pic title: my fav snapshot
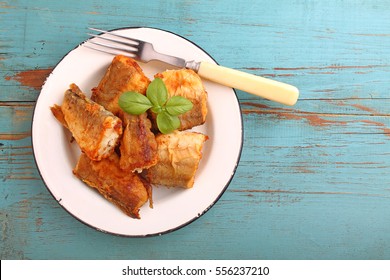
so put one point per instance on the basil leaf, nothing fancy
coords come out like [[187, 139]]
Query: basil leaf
[[157, 109], [178, 105], [134, 103], [157, 92], [167, 123]]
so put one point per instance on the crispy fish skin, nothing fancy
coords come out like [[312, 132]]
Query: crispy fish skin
[[124, 74], [59, 115], [126, 190], [96, 130], [187, 83], [179, 155], [138, 148]]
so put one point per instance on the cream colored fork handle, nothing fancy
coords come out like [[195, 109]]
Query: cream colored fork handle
[[266, 88]]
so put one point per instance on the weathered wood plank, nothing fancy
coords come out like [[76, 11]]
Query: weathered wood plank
[[313, 181], [15, 121], [281, 176], [327, 60]]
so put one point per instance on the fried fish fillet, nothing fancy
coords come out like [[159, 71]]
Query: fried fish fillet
[[128, 190], [123, 74], [187, 83], [96, 130], [138, 148], [179, 155]]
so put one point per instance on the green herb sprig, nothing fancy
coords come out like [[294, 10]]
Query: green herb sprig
[[156, 99]]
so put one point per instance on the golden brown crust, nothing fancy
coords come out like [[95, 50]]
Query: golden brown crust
[[123, 74], [95, 129], [187, 83], [126, 190], [138, 149], [179, 156], [57, 112]]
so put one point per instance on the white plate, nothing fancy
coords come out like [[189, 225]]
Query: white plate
[[173, 208]]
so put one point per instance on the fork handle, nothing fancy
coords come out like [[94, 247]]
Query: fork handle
[[272, 90]]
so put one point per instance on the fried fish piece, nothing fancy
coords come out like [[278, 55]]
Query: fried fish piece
[[123, 74], [187, 83], [179, 155], [96, 130], [128, 190], [138, 148]]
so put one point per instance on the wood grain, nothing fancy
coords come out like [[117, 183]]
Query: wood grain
[[314, 179]]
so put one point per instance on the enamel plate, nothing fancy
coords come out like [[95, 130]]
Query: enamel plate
[[173, 208]]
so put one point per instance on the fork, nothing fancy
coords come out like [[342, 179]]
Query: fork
[[144, 51]]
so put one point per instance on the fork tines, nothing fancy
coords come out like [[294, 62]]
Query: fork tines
[[119, 44]]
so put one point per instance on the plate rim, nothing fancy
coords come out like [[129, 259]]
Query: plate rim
[[160, 232]]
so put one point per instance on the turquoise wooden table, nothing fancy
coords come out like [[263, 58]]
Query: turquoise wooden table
[[313, 181]]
